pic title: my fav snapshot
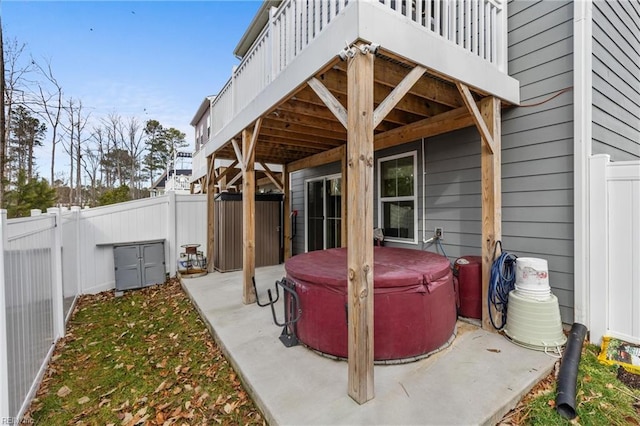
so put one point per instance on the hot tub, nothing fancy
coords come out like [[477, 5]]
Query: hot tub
[[414, 301]]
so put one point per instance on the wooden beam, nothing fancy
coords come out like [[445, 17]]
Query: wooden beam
[[299, 139], [436, 90], [248, 219], [286, 202], [239, 156], [211, 218], [254, 139], [288, 116], [326, 157], [405, 111], [491, 195], [476, 115], [397, 94], [360, 226], [276, 124], [329, 100], [455, 119], [272, 177]]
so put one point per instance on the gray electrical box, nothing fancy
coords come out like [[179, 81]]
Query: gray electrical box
[[139, 264]]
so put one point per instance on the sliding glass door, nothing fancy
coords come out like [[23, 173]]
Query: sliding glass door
[[324, 213]]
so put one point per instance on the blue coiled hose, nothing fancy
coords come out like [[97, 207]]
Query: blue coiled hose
[[503, 278]]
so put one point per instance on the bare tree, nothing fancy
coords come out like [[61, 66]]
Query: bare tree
[[50, 100], [3, 124], [134, 145], [77, 123], [114, 132], [13, 79], [91, 161]]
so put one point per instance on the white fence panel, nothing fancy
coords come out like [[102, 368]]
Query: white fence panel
[[614, 278], [70, 256], [101, 227], [29, 292], [191, 220], [176, 219], [51, 258]]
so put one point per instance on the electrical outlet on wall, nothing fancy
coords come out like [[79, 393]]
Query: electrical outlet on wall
[[439, 232]]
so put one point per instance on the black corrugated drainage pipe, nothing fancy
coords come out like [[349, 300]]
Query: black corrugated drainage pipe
[[568, 375]]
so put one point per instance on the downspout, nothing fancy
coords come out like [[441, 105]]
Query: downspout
[[424, 195], [582, 145]]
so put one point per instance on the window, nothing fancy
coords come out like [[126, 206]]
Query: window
[[397, 213]]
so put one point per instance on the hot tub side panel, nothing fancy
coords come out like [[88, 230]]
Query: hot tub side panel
[[408, 321]]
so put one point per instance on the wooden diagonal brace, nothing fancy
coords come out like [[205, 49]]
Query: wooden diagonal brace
[[475, 114], [236, 148], [272, 177], [329, 100], [234, 179], [387, 105], [254, 139]]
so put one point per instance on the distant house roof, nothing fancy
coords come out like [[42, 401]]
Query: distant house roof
[[161, 182], [255, 27], [202, 109]]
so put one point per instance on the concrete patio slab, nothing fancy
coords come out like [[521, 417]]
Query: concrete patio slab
[[476, 380]]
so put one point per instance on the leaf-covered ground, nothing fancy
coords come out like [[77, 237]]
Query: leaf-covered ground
[[601, 399], [143, 358]]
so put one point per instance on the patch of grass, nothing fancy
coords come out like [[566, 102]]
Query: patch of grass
[[143, 358], [601, 399]]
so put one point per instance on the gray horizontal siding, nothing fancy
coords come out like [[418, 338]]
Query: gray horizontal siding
[[453, 191], [537, 140], [616, 79], [537, 158]]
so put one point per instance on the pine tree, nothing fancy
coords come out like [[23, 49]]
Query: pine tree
[[26, 132], [29, 194]]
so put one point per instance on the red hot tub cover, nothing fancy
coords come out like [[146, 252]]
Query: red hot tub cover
[[414, 301]]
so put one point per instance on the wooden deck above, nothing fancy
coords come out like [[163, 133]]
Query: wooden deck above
[[453, 41]]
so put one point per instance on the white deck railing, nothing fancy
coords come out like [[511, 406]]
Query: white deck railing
[[478, 26], [177, 183]]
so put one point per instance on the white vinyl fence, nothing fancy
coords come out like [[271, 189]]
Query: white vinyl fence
[[49, 259], [614, 249]]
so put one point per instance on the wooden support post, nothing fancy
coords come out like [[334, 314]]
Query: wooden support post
[[248, 218], [211, 224], [491, 195], [360, 226], [286, 211]]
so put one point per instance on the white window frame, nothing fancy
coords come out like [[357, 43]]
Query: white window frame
[[413, 198]]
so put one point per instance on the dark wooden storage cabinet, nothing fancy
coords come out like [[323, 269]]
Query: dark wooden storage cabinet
[[139, 264], [228, 231]]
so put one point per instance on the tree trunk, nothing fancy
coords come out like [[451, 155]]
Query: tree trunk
[[3, 124], [78, 171], [53, 153]]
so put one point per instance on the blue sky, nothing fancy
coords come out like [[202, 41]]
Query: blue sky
[[151, 59]]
